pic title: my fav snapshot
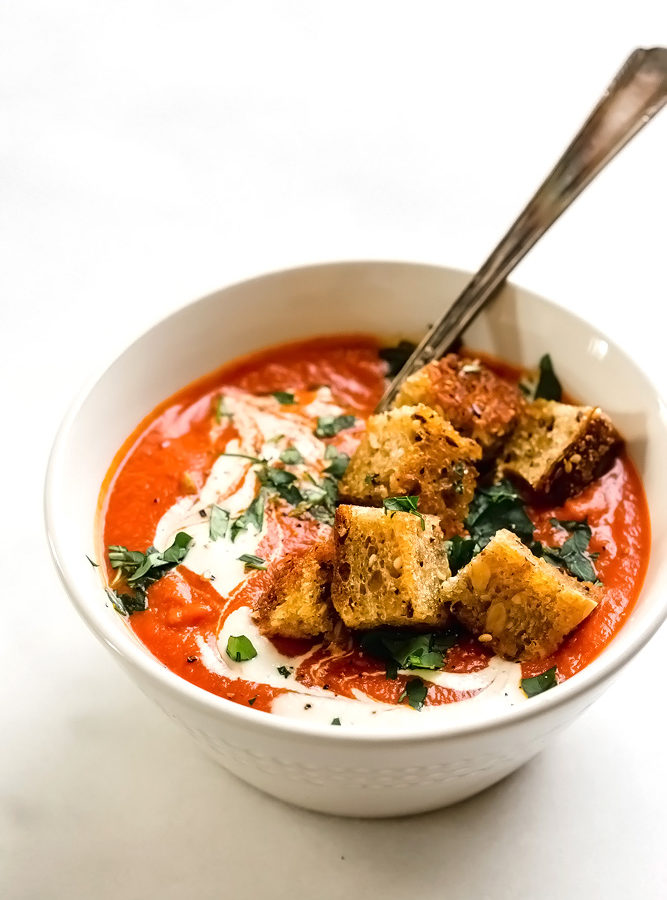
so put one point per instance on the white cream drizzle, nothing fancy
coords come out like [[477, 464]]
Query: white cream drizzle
[[267, 428]]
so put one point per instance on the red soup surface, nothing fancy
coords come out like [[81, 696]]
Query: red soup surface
[[170, 455]]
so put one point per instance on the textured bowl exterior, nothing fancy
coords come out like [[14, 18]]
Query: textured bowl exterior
[[348, 771]]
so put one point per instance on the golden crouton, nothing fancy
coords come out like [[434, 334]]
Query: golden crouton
[[519, 605], [413, 450], [557, 448], [476, 401], [298, 602], [388, 569]]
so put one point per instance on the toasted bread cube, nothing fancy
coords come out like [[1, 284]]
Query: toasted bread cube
[[388, 569], [520, 606], [557, 448], [298, 602], [413, 450], [474, 399]]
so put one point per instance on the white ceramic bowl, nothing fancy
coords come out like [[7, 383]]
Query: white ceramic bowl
[[341, 770]]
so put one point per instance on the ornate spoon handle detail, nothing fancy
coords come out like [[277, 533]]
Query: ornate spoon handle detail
[[636, 94]]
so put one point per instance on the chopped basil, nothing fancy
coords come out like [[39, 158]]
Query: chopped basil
[[240, 649], [140, 570], [396, 357], [495, 507], [284, 398], [339, 461], [415, 691], [320, 500], [218, 524], [548, 385], [404, 504], [253, 459], [251, 701], [280, 481], [291, 457], [93, 564], [403, 649], [254, 515], [252, 562], [284, 671], [460, 551], [221, 412], [328, 426], [335, 721], [127, 604], [539, 683], [573, 555]]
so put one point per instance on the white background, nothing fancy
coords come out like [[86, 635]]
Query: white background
[[153, 151]]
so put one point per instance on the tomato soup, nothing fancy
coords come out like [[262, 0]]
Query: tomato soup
[[192, 467]]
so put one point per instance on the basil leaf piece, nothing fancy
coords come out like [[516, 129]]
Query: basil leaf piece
[[92, 562], [284, 671], [221, 412], [254, 515], [251, 701], [284, 398], [240, 649], [404, 504], [218, 523], [403, 649], [548, 385], [396, 357], [460, 551], [539, 683], [291, 457], [339, 461], [140, 570], [415, 691], [252, 562], [254, 459], [498, 506], [335, 721], [573, 555], [329, 426]]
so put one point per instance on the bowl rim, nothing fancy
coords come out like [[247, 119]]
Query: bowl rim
[[127, 649]]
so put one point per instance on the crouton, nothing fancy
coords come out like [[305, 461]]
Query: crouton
[[520, 606], [389, 568], [298, 601], [413, 450], [558, 449], [476, 401]]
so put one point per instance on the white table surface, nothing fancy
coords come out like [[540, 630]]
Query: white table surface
[[151, 152]]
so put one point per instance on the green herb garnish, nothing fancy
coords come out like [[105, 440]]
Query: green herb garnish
[[140, 570], [253, 459], [539, 683], [240, 648], [548, 385], [329, 426], [251, 701], [495, 507], [415, 692], [396, 357], [252, 562], [403, 649], [404, 504], [291, 457], [284, 671], [254, 515], [339, 461], [460, 551], [284, 398], [335, 721], [218, 523], [573, 555], [92, 562]]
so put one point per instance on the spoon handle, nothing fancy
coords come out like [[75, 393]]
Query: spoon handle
[[635, 95]]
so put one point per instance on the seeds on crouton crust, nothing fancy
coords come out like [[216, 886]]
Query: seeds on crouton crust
[[474, 399], [413, 450], [388, 569], [521, 606], [558, 448]]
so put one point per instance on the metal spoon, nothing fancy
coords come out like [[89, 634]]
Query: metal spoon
[[635, 95]]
